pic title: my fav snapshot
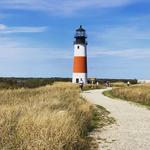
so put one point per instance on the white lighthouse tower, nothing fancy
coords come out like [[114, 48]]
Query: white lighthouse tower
[[80, 57]]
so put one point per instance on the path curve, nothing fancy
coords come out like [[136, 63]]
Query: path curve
[[132, 128]]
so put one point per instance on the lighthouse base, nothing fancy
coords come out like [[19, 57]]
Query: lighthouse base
[[79, 77]]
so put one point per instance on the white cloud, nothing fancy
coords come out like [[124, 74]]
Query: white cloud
[[21, 58], [62, 6], [14, 50], [2, 27], [123, 36], [134, 53], [32, 54], [123, 32], [6, 30]]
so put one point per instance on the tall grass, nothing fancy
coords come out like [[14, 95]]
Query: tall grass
[[47, 118], [138, 93], [93, 86], [118, 84]]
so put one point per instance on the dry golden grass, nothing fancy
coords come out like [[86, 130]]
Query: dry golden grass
[[47, 118], [118, 84], [93, 86], [137, 93]]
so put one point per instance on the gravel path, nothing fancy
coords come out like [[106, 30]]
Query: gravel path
[[132, 128]]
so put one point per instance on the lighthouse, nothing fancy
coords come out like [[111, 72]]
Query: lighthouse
[[80, 57]]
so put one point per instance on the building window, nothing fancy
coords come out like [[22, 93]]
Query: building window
[[78, 47]]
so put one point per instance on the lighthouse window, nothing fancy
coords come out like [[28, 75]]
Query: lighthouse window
[[77, 80], [78, 47]]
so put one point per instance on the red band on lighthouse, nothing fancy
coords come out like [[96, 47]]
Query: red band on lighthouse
[[80, 64]]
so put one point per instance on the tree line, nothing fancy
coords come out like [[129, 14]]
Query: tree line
[[13, 83]]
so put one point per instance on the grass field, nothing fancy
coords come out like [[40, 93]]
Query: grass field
[[137, 93], [118, 84], [93, 86], [51, 118]]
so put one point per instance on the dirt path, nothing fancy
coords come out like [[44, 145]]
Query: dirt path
[[132, 128]]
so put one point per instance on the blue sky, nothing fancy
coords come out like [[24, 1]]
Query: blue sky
[[36, 37]]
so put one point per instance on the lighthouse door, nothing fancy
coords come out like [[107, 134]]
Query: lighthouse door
[[77, 80]]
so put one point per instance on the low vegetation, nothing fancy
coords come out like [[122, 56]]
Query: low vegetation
[[102, 81], [93, 86], [51, 117], [136, 93], [118, 84], [15, 83]]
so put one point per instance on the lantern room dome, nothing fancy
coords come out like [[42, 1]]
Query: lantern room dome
[[80, 36], [80, 29]]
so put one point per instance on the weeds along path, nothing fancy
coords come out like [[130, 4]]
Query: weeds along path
[[132, 128]]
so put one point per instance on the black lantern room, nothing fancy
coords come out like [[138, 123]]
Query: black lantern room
[[80, 36]]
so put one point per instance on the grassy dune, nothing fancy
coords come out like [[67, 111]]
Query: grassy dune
[[52, 118], [48, 118], [137, 93]]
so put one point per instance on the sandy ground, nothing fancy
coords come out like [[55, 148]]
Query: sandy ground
[[132, 128]]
